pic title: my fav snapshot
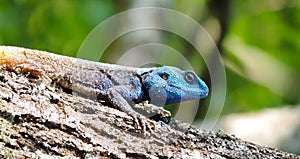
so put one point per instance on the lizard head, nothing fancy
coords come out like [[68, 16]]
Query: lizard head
[[166, 85]]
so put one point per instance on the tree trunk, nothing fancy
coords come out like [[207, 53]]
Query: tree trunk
[[38, 121]]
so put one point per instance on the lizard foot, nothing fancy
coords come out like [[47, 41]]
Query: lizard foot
[[142, 123]]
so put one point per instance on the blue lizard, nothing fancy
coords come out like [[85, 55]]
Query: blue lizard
[[120, 85]]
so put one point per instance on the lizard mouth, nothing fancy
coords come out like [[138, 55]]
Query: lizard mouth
[[191, 90]]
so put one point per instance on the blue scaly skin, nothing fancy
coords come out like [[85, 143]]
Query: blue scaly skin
[[167, 85], [121, 86]]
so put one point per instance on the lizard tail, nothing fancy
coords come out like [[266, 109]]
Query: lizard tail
[[21, 60]]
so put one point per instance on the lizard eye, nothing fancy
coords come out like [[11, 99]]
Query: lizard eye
[[164, 76], [190, 77]]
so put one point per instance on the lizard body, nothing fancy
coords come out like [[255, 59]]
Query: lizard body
[[120, 85]]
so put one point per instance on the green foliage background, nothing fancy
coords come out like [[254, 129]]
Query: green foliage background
[[267, 30]]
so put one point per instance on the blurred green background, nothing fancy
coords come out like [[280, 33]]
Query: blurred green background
[[259, 40]]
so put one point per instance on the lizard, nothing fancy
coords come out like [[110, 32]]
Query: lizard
[[121, 86]]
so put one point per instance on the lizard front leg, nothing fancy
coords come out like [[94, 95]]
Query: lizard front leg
[[118, 99]]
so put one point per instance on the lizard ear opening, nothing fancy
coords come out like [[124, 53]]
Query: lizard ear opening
[[164, 76]]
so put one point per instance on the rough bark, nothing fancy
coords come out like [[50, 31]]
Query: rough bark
[[38, 121]]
